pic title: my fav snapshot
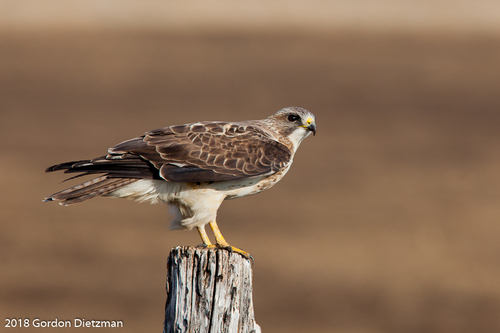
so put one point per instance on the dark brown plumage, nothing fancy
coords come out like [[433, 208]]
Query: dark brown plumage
[[207, 151]]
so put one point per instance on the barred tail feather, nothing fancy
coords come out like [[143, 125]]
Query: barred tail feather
[[95, 187], [116, 171]]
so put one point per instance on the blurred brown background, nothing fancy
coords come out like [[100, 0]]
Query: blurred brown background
[[388, 221]]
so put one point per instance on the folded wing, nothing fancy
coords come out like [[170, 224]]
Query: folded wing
[[209, 151]]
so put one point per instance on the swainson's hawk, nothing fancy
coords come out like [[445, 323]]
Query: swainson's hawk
[[194, 167]]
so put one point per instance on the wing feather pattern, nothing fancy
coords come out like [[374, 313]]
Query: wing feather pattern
[[209, 151]]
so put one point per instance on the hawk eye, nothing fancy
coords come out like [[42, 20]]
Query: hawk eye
[[293, 117]]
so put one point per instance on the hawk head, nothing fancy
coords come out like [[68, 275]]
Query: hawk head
[[293, 123]]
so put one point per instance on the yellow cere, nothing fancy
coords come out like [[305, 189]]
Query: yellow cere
[[309, 120]]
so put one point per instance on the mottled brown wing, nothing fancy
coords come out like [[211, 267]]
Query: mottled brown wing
[[208, 151]]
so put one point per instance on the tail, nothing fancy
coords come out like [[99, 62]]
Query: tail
[[95, 187], [117, 172]]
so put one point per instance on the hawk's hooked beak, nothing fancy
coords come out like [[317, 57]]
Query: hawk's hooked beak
[[310, 125]]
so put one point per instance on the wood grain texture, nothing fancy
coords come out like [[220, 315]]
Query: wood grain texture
[[208, 290]]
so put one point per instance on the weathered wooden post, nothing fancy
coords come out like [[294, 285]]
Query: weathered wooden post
[[208, 290]]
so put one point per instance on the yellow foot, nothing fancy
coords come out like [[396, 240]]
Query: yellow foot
[[236, 250], [230, 249], [221, 242]]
